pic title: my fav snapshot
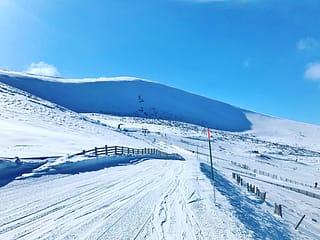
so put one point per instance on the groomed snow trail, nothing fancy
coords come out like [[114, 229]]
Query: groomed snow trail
[[153, 199]]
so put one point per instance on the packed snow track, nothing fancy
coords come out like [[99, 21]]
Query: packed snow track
[[93, 205], [152, 199]]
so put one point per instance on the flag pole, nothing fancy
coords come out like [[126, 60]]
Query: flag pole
[[212, 174]]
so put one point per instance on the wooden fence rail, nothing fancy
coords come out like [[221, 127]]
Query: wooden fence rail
[[250, 187], [307, 193], [121, 150]]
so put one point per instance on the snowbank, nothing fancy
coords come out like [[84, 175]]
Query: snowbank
[[10, 169]]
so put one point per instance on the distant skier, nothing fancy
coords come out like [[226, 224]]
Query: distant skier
[[315, 185]]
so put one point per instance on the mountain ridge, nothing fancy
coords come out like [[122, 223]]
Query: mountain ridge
[[132, 97]]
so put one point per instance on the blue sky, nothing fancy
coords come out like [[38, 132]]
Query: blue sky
[[261, 55]]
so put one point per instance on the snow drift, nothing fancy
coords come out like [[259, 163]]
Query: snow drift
[[131, 97]]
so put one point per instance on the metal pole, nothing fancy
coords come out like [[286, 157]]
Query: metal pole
[[212, 174], [197, 152]]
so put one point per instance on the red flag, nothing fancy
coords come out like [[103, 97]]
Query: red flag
[[209, 133]]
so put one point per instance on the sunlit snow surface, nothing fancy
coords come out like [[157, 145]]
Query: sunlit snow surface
[[146, 198], [124, 96]]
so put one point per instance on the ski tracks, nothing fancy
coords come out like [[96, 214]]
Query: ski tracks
[[155, 199], [107, 204]]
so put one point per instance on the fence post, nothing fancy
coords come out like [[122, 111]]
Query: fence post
[[18, 161], [278, 209], [106, 147], [299, 222], [96, 151], [264, 195], [115, 150], [122, 150]]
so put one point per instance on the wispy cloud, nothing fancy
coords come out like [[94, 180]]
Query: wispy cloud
[[307, 43], [42, 68], [313, 71]]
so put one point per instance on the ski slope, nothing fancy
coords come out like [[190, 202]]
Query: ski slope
[[127, 96], [148, 198], [164, 200], [30, 126]]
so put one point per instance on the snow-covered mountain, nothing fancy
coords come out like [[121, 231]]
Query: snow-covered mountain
[[128, 96], [30, 126], [148, 198], [125, 96]]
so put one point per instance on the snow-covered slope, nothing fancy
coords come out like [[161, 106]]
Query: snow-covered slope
[[285, 131], [30, 126], [126, 96], [133, 198]]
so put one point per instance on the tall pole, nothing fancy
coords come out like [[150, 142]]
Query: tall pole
[[197, 152], [212, 174]]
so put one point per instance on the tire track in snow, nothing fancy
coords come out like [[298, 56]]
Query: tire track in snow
[[105, 211], [141, 207], [163, 215], [85, 199]]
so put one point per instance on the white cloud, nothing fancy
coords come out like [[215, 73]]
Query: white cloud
[[307, 43], [42, 68], [313, 71]]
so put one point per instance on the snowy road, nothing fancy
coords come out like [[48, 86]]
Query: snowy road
[[153, 199]]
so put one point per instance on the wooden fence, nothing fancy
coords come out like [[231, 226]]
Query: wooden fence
[[109, 151], [307, 193], [250, 187], [121, 150], [268, 174]]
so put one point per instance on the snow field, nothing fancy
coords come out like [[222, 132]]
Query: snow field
[[152, 198], [159, 202]]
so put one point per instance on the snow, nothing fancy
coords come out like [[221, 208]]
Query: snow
[[136, 97], [31, 127], [142, 197], [13, 74]]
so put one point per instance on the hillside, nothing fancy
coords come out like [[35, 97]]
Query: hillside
[[126, 96], [132, 197], [30, 126]]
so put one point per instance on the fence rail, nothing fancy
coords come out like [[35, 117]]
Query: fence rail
[[250, 187], [121, 150], [108, 151], [268, 174], [307, 193]]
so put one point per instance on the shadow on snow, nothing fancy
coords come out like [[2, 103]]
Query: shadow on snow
[[11, 171], [262, 224], [95, 164]]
